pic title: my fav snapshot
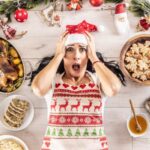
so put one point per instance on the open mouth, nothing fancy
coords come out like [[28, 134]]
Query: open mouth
[[76, 67]]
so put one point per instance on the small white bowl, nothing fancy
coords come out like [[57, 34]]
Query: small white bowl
[[19, 141], [137, 135]]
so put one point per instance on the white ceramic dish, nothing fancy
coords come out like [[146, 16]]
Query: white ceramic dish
[[137, 135], [28, 117], [19, 141]]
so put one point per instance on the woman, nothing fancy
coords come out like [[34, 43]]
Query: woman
[[75, 97]]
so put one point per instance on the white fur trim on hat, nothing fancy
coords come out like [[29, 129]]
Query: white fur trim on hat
[[76, 38]]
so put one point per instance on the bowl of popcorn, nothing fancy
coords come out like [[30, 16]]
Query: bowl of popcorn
[[10, 142], [135, 59]]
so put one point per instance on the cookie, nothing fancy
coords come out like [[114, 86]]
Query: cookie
[[11, 124], [21, 105], [15, 113], [12, 118]]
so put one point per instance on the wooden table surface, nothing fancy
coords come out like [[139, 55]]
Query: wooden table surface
[[41, 40]]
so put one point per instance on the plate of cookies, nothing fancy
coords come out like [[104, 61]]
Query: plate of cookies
[[9, 142], [135, 59], [16, 112]]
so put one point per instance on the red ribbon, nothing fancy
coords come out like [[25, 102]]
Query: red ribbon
[[81, 27]]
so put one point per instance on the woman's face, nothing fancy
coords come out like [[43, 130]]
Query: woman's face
[[75, 60]]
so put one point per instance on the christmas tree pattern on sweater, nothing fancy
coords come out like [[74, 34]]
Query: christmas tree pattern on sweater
[[75, 114]]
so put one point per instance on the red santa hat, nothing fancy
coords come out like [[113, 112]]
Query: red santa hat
[[120, 8], [76, 32]]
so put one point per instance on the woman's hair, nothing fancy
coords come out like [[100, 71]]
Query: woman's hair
[[112, 65]]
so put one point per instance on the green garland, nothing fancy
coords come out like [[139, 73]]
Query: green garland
[[140, 7], [113, 1], [7, 7]]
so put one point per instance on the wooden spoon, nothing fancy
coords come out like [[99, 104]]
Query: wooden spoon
[[138, 127]]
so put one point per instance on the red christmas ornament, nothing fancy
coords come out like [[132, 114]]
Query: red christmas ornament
[[144, 23], [21, 15], [96, 3]]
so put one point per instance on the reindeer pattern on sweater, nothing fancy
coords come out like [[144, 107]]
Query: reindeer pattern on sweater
[[75, 118]]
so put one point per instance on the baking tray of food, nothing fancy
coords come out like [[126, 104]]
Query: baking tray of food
[[12, 68]]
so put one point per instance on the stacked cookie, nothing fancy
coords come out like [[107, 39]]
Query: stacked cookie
[[15, 112]]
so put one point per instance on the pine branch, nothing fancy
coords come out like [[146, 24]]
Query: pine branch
[[140, 7], [8, 7], [67, 1], [113, 1]]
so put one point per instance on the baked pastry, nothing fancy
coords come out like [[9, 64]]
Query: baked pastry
[[21, 105], [8, 144], [11, 124], [12, 118], [15, 112], [137, 60]]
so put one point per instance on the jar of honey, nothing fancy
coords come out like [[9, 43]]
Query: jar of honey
[[132, 128]]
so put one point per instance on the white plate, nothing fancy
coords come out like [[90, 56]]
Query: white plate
[[19, 141], [28, 117]]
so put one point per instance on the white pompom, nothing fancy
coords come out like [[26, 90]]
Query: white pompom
[[101, 28]]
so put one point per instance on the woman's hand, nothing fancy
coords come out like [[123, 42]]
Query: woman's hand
[[60, 47], [91, 47]]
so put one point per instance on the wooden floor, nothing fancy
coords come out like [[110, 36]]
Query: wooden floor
[[41, 40]]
